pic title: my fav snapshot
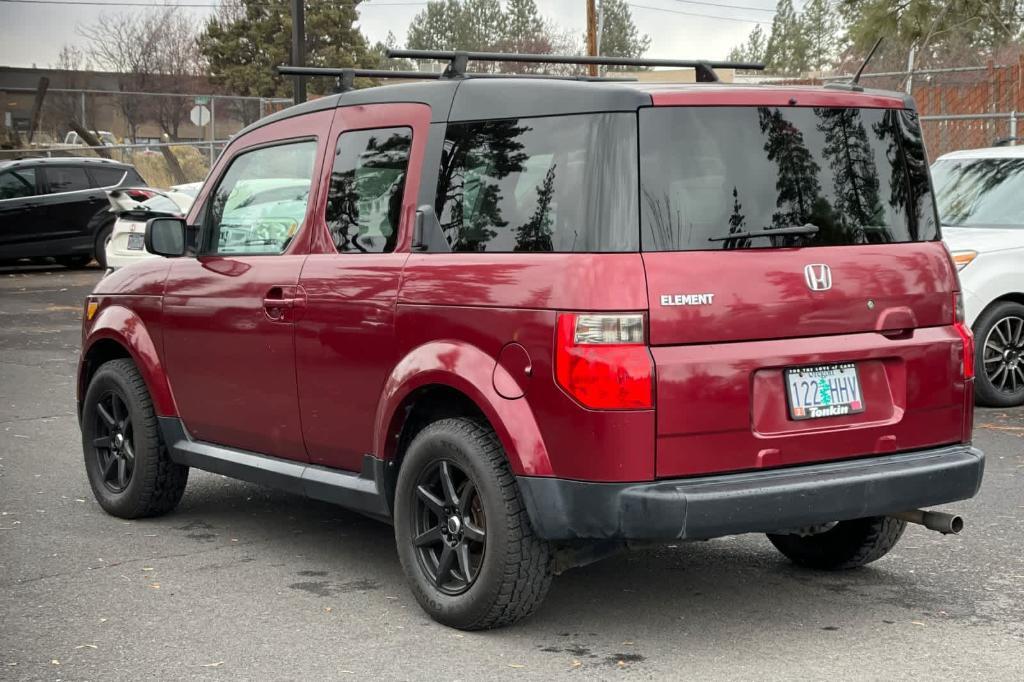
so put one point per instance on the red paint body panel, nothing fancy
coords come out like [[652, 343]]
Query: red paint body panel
[[720, 406], [134, 322], [761, 294]]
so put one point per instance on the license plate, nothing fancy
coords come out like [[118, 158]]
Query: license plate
[[136, 241], [823, 391]]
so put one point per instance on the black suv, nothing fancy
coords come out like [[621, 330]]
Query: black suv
[[57, 207]]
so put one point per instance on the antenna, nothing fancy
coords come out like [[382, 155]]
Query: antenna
[[856, 76]]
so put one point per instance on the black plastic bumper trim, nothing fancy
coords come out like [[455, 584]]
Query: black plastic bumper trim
[[752, 502]]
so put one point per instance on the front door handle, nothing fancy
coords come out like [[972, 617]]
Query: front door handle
[[280, 299]]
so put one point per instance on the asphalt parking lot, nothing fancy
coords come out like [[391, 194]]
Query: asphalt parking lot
[[242, 582]]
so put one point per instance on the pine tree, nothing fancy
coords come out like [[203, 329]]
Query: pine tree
[[821, 34], [797, 180], [535, 233], [246, 39], [752, 50], [619, 35], [786, 51], [855, 174]]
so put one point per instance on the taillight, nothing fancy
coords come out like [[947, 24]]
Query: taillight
[[602, 361], [965, 335], [140, 194]]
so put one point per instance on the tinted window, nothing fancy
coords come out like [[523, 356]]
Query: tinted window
[[710, 172], [565, 183], [980, 192], [260, 202], [106, 177], [18, 183], [364, 203], [66, 179]]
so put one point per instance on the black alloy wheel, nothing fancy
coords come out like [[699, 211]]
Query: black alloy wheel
[[450, 527], [1003, 355], [113, 443]]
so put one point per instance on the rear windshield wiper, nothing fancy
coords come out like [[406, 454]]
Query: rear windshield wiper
[[793, 229]]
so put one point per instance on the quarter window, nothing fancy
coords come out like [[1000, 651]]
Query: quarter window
[[364, 204], [15, 184], [66, 179], [107, 177], [560, 183], [260, 203]]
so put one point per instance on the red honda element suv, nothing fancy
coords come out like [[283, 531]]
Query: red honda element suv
[[530, 320]]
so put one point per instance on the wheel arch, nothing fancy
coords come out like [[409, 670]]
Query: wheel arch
[[118, 332], [448, 378]]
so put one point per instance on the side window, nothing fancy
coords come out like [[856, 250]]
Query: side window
[[106, 177], [364, 203], [66, 179], [260, 203], [557, 184], [18, 183]]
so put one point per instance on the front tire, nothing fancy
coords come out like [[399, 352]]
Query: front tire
[[999, 355], [848, 544], [464, 538], [129, 469]]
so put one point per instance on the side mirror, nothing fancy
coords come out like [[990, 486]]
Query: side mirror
[[166, 236]]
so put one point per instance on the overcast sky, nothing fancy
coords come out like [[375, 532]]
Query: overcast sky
[[33, 31]]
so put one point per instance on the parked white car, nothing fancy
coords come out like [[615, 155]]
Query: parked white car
[[127, 240], [980, 195]]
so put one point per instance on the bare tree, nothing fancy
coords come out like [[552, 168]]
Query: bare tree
[[67, 106], [153, 51]]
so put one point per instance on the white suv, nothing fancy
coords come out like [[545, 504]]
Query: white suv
[[980, 195]]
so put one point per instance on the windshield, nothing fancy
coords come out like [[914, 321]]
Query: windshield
[[979, 192], [761, 177]]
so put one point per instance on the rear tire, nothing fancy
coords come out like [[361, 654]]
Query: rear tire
[[507, 568], [848, 544], [999, 355], [129, 469]]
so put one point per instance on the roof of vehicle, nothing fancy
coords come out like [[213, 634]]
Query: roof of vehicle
[[482, 97], [62, 161], [986, 153]]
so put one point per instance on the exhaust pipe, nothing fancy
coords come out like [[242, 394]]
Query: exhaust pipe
[[947, 524]]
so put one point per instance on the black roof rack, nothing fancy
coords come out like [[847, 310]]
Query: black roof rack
[[345, 77], [457, 61]]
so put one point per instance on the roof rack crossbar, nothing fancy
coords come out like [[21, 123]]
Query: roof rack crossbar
[[458, 60]]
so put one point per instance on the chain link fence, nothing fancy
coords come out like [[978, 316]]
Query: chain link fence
[[170, 137]]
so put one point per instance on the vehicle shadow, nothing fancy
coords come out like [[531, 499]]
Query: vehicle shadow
[[722, 590]]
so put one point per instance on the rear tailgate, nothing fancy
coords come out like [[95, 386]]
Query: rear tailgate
[[866, 302]]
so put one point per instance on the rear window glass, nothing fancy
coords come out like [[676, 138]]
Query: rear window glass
[[561, 183], [726, 177]]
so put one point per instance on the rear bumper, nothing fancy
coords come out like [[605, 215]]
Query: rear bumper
[[758, 501]]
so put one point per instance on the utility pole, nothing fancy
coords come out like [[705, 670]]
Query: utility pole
[[299, 47], [592, 35]]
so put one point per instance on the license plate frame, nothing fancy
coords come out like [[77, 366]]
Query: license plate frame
[[803, 410], [136, 241]]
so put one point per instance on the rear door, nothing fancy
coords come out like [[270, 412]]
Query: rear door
[[775, 349], [71, 200], [345, 342]]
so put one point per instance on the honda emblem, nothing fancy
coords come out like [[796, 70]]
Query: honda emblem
[[818, 277]]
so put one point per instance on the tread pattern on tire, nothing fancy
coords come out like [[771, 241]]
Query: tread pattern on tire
[[985, 393], [861, 542], [165, 483], [528, 566]]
